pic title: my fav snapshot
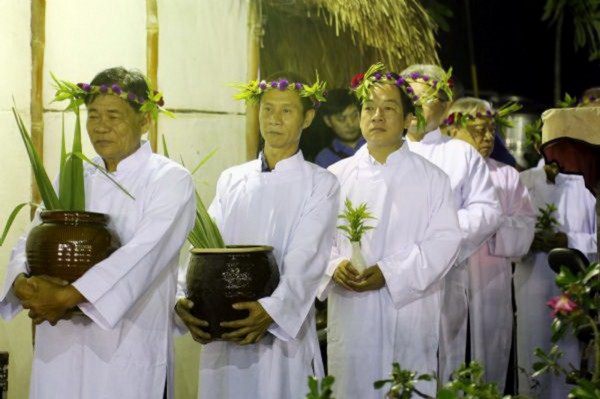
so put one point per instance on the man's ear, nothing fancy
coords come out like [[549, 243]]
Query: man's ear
[[308, 118], [452, 131], [408, 120], [327, 120], [145, 121]]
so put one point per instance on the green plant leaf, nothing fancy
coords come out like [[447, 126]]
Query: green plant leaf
[[45, 187], [11, 219]]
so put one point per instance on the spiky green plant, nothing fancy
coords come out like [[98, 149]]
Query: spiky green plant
[[545, 219], [71, 186], [205, 233], [322, 390], [355, 219]]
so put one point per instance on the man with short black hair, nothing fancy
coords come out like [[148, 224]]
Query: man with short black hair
[[341, 115], [390, 311], [285, 202]]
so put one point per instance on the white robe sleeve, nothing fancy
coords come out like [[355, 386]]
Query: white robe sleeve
[[305, 260], [326, 282], [479, 213], [517, 224], [413, 269], [114, 285], [586, 240]]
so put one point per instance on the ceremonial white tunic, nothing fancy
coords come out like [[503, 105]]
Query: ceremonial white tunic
[[293, 209], [490, 274], [534, 280], [479, 216], [415, 242], [123, 348]]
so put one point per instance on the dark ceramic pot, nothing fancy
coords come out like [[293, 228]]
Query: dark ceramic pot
[[218, 278], [67, 243]]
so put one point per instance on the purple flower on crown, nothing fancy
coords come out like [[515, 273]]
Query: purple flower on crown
[[400, 81], [435, 83], [86, 87], [415, 75], [283, 84], [409, 90], [425, 78], [116, 89], [389, 76], [415, 98], [131, 96], [103, 88], [488, 113], [274, 84], [298, 86], [378, 76], [262, 85]]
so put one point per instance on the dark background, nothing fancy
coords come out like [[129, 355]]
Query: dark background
[[514, 50]]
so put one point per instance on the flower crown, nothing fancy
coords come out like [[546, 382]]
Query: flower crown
[[362, 83], [77, 94], [499, 117], [253, 90], [569, 102]]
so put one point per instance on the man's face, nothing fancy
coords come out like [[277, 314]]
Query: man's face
[[433, 111], [115, 129], [382, 120], [480, 134], [282, 119], [345, 124]]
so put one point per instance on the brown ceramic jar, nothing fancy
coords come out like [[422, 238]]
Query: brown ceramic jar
[[217, 278], [67, 243]]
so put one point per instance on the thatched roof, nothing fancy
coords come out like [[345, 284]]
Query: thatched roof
[[343, 37]]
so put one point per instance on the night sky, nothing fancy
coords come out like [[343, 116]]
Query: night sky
[[514, 50]]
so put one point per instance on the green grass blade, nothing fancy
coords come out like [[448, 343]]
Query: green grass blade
[[203, 161], [10, 221], [47, 192], [165, 149], [104, 172], [77, 181]]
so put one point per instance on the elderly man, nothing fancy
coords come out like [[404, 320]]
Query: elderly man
[[122, 347], [474, 196]]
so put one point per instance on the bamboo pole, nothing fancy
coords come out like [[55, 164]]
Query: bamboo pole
[[36, 107], [255, 32], [152, 60]]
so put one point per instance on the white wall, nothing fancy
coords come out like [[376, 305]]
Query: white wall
[[202, 48]]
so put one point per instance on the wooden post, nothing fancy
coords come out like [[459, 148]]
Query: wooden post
[[36, 107], [152, 60], [255, 32]]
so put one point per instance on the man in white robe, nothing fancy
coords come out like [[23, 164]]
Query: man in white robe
[[290, 204], [389, 312], [535, 281], [490, 274], [478, 210], [122, 347]]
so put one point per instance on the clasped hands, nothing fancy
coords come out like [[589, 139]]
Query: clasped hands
[[246, 331], [346, 276], [47, 298]]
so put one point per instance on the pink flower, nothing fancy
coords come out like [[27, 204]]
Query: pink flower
[[561, 304]]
